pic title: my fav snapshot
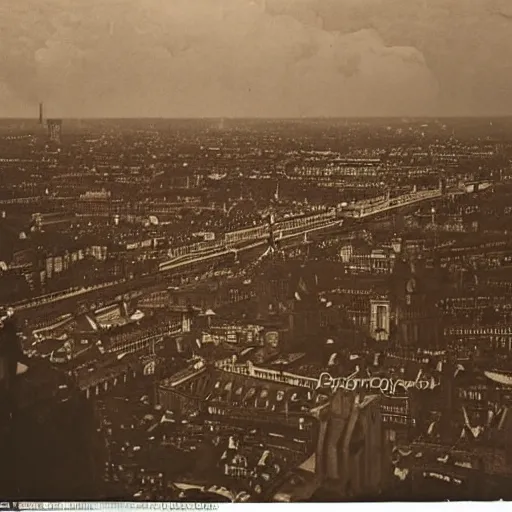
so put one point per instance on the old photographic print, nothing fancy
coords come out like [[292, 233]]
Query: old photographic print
[[255, 251]]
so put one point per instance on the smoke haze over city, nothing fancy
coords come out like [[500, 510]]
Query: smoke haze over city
[[241, 58]]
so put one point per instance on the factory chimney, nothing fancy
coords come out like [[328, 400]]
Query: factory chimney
[[40, 113]]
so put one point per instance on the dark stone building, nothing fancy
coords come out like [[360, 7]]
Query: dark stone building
[[50, 446]]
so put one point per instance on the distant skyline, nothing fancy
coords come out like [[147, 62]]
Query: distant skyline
[[255, 58], [427, 118]]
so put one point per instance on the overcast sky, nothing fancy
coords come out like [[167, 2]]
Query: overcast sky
[[243, 58]]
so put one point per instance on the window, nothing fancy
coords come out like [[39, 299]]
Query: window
[[381, 316]]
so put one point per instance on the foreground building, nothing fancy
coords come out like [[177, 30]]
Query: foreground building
[[323, 440], [51, 447]]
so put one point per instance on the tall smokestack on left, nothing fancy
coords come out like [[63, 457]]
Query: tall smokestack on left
[[40, 113]]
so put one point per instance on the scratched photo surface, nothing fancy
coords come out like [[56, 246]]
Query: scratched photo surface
[[255, 250]]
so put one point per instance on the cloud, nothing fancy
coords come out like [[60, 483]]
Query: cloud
[[201, 58], [466, 44]]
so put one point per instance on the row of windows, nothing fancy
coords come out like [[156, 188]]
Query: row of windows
[[274, 376], [340, 170], [236, 471], [394, 409], [140, 343], [471, 395], [497, 343], [216, 410], [253, 415], [478, 330], [135, 335], [402, 420]]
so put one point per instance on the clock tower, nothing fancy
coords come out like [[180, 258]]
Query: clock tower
[[416, 317]]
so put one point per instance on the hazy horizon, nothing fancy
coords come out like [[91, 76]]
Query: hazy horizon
[[256, 58], [267, 118]]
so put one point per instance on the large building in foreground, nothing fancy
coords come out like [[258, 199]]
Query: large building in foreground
[[338, 439], [51, 447]]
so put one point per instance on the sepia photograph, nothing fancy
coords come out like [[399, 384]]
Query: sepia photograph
[[255, 251]]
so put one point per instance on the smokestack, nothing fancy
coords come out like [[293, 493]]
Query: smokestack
[[40, 113]]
